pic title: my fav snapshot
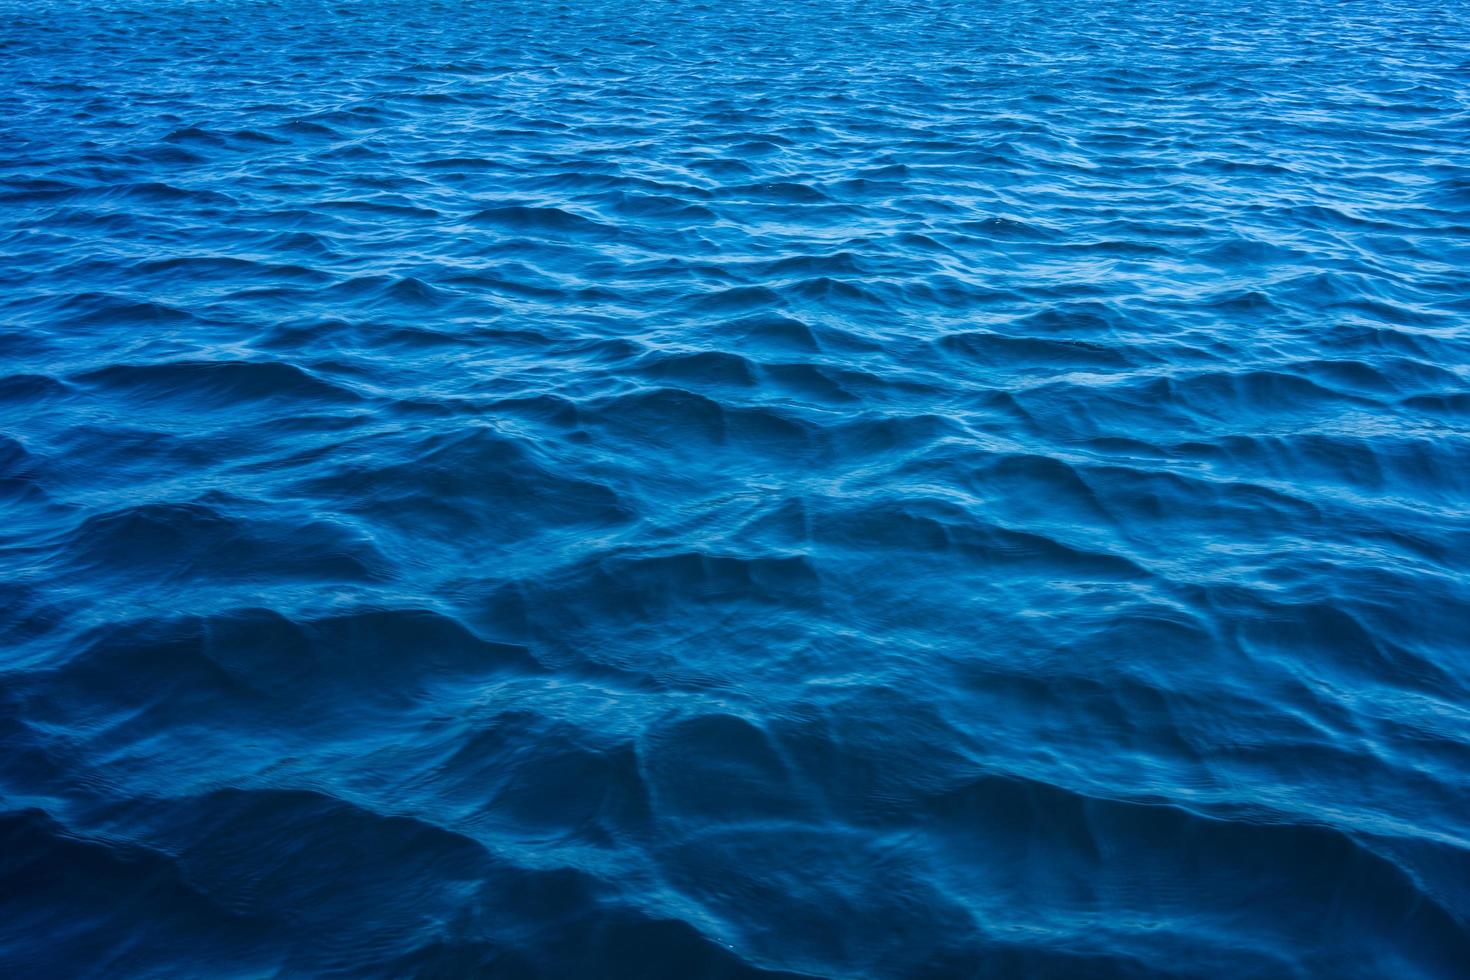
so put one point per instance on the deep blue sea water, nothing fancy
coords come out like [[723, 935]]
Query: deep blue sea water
[[836, 488]]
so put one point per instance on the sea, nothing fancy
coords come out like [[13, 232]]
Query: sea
[[716, 489]]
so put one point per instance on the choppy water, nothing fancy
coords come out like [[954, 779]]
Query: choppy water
[[853, 489]]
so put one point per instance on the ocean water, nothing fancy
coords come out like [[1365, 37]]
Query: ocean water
[[835, 488]]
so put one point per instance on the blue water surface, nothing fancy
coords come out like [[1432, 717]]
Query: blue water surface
[[634, 488]]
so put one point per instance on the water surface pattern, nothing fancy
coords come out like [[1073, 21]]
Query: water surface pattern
[[650, 489]]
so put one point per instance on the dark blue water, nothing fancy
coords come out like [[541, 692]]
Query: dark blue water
[[643, 489]]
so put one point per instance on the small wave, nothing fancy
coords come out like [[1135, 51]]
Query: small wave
[[554, 221], [184, 543], [213, 384]]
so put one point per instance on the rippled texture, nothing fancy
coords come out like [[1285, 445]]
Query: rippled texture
[[835, 488]]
